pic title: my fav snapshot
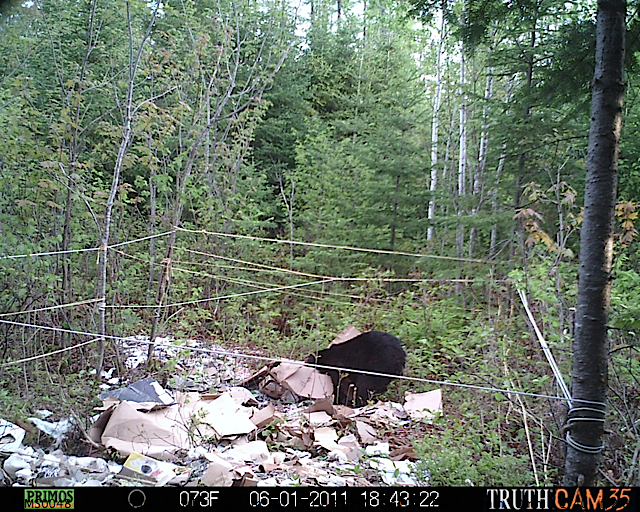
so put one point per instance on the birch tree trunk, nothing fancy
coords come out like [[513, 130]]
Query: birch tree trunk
[[462, 161], [484, 136], [435, 124], [482, 160], [590, 350], [462, 165]]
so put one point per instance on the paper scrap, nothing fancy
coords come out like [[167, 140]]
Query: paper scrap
[[423, 405]]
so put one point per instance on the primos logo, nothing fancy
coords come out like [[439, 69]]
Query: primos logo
[[48, 498]]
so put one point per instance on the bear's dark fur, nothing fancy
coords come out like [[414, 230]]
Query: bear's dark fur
[[373, 351]]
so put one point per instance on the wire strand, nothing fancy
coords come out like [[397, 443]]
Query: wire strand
[[335, 278], [48, 308], [330, 246], [89, 249], [545, 348], [50, 253], [300, 363], [140, 239], [48, 354], [220, 297]]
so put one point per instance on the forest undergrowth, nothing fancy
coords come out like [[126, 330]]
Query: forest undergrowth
[[477, 336], [259, 178]]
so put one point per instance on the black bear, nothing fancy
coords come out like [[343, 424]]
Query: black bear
[[373, 351]]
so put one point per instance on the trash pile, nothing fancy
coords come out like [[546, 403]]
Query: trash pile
[[267, 436]]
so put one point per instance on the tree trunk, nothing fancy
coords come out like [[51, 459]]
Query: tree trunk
[[288, 202], [462, 166], [484, 137], [523, 173], [153, 189], [435, 124], [462, 162], [589, 380], [394, 222], [493, 247], [122, 151], [482, 161]]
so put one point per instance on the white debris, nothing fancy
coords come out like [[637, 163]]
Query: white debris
[[18, 466], [378, 449], [333, 481], [57, 430], [11, 436], [394, 472], [313, 447], [254, 451]]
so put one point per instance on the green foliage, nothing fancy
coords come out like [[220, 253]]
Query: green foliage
[[625, 297], [454, 460], [335, 149], [13, 406]]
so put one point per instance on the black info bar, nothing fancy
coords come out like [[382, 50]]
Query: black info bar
[[441, 499]]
